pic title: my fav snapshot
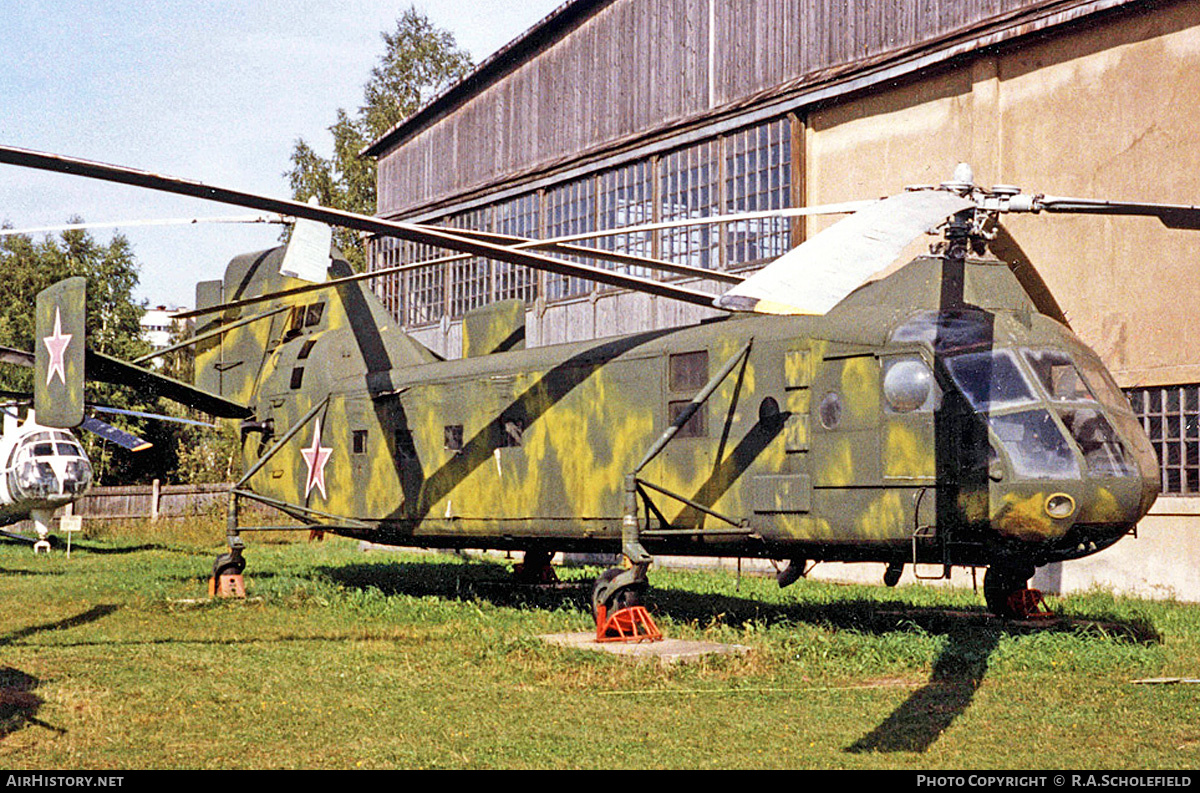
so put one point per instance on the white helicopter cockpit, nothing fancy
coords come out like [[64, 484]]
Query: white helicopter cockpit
[[47, 466], [44, 468]]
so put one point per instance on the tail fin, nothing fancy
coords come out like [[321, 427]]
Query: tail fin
[[59, 353]]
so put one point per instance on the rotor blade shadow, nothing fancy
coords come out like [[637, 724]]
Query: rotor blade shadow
[[91, 615], [931, 709]]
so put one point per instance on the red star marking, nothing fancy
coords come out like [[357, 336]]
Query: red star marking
[[57, 345], [315, 457]]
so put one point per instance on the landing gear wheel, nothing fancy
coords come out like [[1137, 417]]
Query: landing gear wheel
[[228, 564], [535, 569], [1000, 583], [617, 607], [615, 600]]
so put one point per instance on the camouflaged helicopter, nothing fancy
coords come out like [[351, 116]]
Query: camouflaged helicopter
[[944, 414]]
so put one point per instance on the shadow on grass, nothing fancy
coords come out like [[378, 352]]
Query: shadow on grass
[[971, 633], [18, 704]]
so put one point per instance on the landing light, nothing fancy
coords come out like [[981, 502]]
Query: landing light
[[1060, 505]]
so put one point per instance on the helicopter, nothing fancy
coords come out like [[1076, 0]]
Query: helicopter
[[44, 465], [943, 414]]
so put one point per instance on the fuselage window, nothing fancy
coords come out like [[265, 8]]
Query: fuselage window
[[687, 373]]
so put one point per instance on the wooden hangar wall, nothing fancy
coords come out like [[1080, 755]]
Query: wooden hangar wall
[[632, 112]]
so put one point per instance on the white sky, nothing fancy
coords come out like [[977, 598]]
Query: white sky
[[216, 91]]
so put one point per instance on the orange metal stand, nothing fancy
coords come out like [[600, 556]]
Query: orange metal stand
[[227, 586], [632, 624]]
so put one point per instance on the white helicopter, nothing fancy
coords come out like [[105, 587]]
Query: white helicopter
[[42, 464]]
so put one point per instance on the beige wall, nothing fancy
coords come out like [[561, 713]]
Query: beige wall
[[1110, 111]]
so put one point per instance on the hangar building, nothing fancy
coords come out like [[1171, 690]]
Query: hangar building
[[613, 112]]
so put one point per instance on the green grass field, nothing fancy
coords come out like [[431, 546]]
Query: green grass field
[[115, 659]]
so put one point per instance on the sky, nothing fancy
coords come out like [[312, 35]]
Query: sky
[[217, 91]]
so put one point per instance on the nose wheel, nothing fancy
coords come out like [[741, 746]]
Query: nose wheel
[[1007, 594]]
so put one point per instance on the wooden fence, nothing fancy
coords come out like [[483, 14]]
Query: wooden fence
[[138, 502]]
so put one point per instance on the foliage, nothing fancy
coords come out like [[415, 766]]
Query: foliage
[[113, 327], [420, 60]]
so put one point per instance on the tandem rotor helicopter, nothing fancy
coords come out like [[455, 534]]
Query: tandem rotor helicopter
[[942, 415]]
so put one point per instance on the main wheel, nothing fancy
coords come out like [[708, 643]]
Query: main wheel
[[615, 600], [228, 564], [1000, 583]]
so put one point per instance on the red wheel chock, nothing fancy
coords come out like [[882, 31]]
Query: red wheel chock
[[632, 624], [1028, 604]]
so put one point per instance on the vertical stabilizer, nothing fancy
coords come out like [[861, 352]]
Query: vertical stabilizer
[[59, 353]]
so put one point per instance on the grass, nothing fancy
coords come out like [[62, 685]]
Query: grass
[[114, 659]]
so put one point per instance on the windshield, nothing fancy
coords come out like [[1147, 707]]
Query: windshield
[[990, 379], [1035, 446]]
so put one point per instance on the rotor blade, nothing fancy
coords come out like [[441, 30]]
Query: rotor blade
[[110, 433], [107, 369], [1005, 248], [814, 276], [1175, 216], [153, 416], [336, 217], [559, 245], [307, 254], [16, 357], [112, 224]]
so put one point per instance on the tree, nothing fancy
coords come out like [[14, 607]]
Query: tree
[[113, 327], [420, 60]]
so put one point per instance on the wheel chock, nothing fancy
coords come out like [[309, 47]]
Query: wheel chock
[[229, 585], [632, 624], [1028, 604]]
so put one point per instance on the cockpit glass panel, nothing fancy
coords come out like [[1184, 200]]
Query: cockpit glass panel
[[1058, 375], [1106, 390], [990, 379], [1035, 446], [949, 330], [1103, 452], [43, 449]]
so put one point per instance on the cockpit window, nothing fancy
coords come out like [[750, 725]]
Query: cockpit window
[[990, 379], [1103, 452], [1034, 445], [1058, 375]]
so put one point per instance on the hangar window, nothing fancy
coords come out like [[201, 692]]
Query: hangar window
[[625, 197], [470, 280], [519, 217], [358, 442], [758, 177], [1171, 417], [570, 209], [424, 286], [689, 188]]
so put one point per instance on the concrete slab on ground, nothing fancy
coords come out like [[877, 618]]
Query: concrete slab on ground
[[665, 651]]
